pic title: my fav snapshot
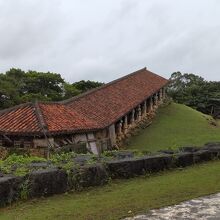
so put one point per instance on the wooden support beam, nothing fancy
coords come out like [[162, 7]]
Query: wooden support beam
[[139, 113], [125, 124]]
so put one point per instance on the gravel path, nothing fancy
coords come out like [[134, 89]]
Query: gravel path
[[201, 208]]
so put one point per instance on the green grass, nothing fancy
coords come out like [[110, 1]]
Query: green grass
[[116, 199], [176, 125]]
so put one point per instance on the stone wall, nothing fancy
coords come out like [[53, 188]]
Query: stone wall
[[54, 180]]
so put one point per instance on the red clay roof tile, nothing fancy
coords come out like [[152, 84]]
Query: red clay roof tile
[[111, 101], [59, 117], [20, 119], [92, 110]]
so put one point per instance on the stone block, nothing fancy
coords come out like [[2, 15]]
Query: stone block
[[202, 155], [214, 148], [190, 149], [123, 155], [47, 182], [158, 163], [167, 151], [125, 168], [86, 176], [212, 144], [9, 189], [184, 159], [82, 159]]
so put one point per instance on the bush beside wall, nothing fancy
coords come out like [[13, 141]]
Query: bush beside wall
[[55, 181]]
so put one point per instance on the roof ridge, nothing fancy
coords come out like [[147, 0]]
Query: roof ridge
[[101, 87], [41, 122], [64, 102]]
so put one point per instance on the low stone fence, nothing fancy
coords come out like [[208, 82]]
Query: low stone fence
[[51, 181]]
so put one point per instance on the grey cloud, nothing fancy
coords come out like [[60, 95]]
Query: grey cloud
[[102, 40]]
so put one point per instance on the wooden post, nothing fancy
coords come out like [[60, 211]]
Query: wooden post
[[151, 103], [132, 117], [120, 128], [139, 113], [156, 99], [112, 135], [126, 124], [164, 93], [145, 108], [161, 95]]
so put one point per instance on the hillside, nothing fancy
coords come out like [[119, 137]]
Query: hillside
[[176, 125]]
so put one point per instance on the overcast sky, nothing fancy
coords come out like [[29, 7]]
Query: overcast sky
[[104, 39]]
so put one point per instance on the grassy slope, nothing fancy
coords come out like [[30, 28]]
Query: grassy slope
[[174, 126], [116, 199]]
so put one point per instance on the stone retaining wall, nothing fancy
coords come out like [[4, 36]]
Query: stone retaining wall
[[55, 181]]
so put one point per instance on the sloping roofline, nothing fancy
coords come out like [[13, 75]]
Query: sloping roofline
[[101, 87], [43, 125]]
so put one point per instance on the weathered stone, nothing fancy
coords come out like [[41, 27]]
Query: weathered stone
[[9, 189], [202, 155], [214, 148], [212, 144], [167, 151], [189, 149], [123, 155], [157, 163], [39, 165], [47, 182], [125, 168], [86, 176], [82, 159], [184, 159]]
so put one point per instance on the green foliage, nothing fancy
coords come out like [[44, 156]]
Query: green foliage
[[194, 91], [113, 153], [70, 90], [45, 84], [84, 86], [24, 190], [17, 164], [109, 154], [17, 86], [9, 95], [62, 157]]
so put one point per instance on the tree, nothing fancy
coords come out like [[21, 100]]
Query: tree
[[70, 90], [47, 85], [193, 90], [84, 86], [18, 86], [9, 92]]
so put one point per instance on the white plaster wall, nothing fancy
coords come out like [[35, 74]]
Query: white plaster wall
[[43, 142], [79, 138]]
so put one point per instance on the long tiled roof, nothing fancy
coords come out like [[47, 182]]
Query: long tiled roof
[[110, 102], [93, 110]]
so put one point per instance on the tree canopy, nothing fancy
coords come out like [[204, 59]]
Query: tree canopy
[[18, 86], [194, 91]]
